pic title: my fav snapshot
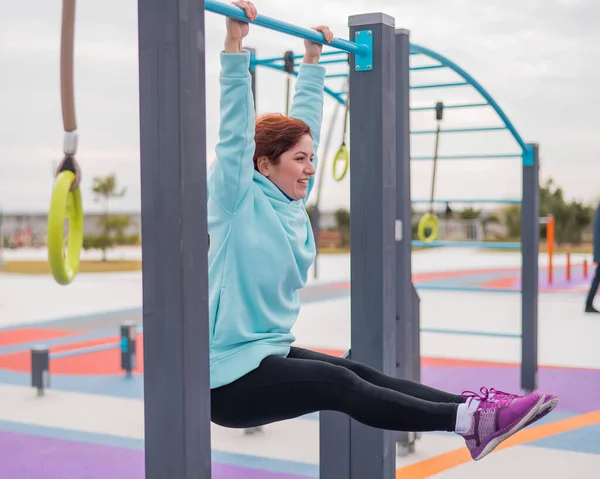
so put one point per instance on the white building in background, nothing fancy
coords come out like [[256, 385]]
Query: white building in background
[[29, 229]]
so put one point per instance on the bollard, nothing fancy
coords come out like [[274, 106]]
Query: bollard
[[568, 266], [550, 242], [40, 364], [128, 347], [585, 268]]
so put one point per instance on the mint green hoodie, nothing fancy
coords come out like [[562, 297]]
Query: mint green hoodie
[[262, 244]]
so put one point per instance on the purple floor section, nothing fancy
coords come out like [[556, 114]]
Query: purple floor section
[[34, 457], [578, 389], [559, 280], [26, 456]]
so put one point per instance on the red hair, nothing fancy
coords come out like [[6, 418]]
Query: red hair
[[275, 134]]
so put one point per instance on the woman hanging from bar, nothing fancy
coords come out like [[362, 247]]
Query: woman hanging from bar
[[262, 247]]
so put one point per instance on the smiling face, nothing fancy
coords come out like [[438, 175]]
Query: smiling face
[[293, 170], [284, 152]]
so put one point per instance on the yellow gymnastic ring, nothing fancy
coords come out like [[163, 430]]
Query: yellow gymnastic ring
[[65, 204], [341, 156], [428, 221]]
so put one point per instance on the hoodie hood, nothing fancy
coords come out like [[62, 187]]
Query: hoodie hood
[[277, 197]]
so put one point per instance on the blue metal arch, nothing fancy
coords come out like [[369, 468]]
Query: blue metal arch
[[475, 84], [444, 62]]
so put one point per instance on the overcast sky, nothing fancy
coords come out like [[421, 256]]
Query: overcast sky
[[539, 59]]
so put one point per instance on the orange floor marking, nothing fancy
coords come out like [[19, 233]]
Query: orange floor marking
[[102, 362], [442, 275], [451, 459], [29, 335], [502, 283]]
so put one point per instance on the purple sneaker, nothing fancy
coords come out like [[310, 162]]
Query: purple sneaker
[[495, 420], [547, 406]]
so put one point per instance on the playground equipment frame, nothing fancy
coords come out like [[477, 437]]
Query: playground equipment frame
[[175, 282]]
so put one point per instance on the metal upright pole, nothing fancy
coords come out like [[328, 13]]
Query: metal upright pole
[[407, 325], [334, 444], [530, 239], [372, 229], [174, 229]]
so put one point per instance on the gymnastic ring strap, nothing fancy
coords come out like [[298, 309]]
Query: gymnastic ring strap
[[66, 197], [67, 87], [429, 222]]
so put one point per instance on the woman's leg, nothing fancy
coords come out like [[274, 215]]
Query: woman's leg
[[377, 378], [284, 388]]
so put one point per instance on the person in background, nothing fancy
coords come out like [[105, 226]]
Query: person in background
[[589, 304]]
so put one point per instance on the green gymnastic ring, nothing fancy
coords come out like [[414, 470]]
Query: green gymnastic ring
[[65, 205], [428, 221], [341, 156]]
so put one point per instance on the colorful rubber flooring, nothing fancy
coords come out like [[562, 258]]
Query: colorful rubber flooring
[[89, 425], [50, 438]]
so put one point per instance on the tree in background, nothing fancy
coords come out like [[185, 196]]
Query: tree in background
[[113, 226], [469, 214], [342, 218], [571, 218], [310, 210]]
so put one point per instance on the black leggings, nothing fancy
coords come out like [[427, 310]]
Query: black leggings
[[306, 381]]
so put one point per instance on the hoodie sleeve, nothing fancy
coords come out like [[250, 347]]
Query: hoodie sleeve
[[230, 175], [307, 106]]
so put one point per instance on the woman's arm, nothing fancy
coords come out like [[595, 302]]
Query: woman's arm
[[308, 99], [231, 174]]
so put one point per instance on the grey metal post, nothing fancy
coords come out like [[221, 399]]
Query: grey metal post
[[128, 347], [174, 229], [407, 322], [530, 238], [334, 443], [40, 368], [373, 210]]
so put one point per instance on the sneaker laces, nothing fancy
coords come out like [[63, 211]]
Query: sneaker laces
[[496, 393], [484, 399]]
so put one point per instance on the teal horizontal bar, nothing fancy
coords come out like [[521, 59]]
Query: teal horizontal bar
[[473, 200], [323, 54], [447, 107], [427, 67], [438, 85], [458, 130], [468, 244], [470, 333], [88, 350], [237, 13], [262, 61], [469, 157], [337, 75]]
